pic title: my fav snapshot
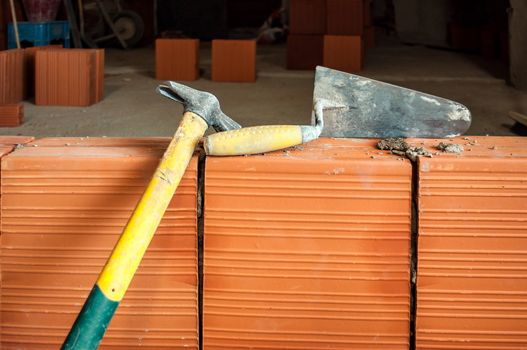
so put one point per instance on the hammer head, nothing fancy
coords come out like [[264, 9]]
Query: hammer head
[[202, 103]]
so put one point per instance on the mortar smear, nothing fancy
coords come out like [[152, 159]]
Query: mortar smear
[[450, 147], [400, 147]]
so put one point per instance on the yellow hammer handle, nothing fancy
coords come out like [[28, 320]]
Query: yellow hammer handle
[[253, 140], [129, 250]]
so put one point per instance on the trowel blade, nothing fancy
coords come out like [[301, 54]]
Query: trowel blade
[[370, 108]]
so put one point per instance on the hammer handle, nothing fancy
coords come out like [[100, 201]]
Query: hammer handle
[[92, 321], [253, 140]]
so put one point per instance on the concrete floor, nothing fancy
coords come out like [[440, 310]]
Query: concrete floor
[[132, 108]]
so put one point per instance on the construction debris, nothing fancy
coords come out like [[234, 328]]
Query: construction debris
[[450, 148], [400, 147]]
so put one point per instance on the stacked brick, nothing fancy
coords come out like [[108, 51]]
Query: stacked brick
[[11, 76], [177, 59], [63, 209], [307, 249], [472, 247], [329, 32], [72, 77], [11, 115], [234, 61]]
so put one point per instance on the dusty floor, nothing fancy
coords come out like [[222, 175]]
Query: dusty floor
[[132, 108]]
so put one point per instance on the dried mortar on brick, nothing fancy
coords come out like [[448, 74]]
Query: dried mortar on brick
[[400, 147], [450, 147]]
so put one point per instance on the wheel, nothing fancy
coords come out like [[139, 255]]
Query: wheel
[[130, 27]]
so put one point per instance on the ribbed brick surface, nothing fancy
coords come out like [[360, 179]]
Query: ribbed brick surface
[[63, 210], [11, 115], [11, 76], [29, 66], [177, 59], [344, 53], [234, 60], [304, 51], [69, 77], [307, 16], [344, 17], [307, 249], [472, 248], [149, 142]]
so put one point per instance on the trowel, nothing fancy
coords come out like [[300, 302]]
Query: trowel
[[348, 105]]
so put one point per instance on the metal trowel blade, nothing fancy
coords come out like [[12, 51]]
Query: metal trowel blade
[[370, 108]]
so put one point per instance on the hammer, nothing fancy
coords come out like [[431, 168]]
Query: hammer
[[201, 110]]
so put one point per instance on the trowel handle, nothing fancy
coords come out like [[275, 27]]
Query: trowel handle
[[258, 139], [266, 138]]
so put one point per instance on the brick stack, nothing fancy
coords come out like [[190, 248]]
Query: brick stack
[[307, 249], [12, 76], [177, 59], [234, 61], [29, 66], [329, 32], [63, 209], [307, 25], [72, 77], [472, 248], [343, 48], [11, 115]]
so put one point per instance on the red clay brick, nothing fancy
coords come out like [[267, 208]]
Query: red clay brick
[[69, 77], [304, 51], [472, 246], [15, 140], [11, 115], [29, 66], [63, 208], [152, 142], [344, 53], [234, 60], [307, 16], [307, 249], [344, 17], [177, 59], [12, 77]]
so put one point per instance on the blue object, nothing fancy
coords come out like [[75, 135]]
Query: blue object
[[39, 34]]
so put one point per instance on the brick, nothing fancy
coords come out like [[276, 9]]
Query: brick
[[69, 77], [307, 16], [472, 246], [344, 17], [234, 60], [29, 66], [369, 37], [307, 249], [151, 142], [63, 208], [177, 59], [11, 76], [344, 53], [304, 51], [11, 115], [15, 140]]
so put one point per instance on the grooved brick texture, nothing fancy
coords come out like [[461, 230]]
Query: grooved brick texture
[[11, 115], [234, 60], [177, 59], [11, 76], [307, 16], [304, 51], [472, 247], [69, 77], [344, 17], [63, 210], [29, 66], [343, 52], [307, 249]]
